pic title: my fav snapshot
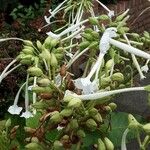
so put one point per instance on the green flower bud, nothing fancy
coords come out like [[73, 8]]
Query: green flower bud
[[47, 42], [38, 89], [65, 137], [54, 43], [27, 57], [146, 34], [84, 45], [93, 21], [95, 35], [43, 82], [68, 98], [74, 124], [28, 51], [75, 103], [105, 81], [59, 56], [53, 61], [133, 123], [39, 45], [108, 108], [66, 112], [27, 42], [113, 106], [101, 145], [103, 17], [59, 50], [92, 111], [34, 139], [109, 64], [146, 128], [118, 77], [35, 71], [91, 124], [56, 118], [58, 145], [8, 123], [40, 105], [88, 30], [98, 117], [120, 17], [93, 45], [109, 145], [26, 62], [135, 35], [45, 55], [123, 30], [81, 133], [33, 146], [87, 36]]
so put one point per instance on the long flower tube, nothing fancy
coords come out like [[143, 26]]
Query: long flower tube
[[110, 12], [135, 60], [14, 109], [6, 69], [129, 49], [69, 29], [27, 113], [123, 142], [103, 94], [54, 12], [8, 39]]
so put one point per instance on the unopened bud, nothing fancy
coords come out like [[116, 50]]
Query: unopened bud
[[109, 145], [113, 106], [74, 124], [101, 145], [8, 123], [56, 118], [43, 82], [81, 133], [118, 77], [93, 21], [66, 112], [27, 42], [35, 71], [54, 61], [75, 103], [91, 124], [146, 128], [32, 146]]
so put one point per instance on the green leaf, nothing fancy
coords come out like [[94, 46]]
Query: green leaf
[[119, 122]]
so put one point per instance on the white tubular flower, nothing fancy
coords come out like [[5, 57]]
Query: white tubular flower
[[110, 12], [145, 68], [129, 49], [123, 142], [14, 109], [103, 94], [27, 113]]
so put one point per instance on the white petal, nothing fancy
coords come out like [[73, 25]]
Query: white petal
[[58, 79], [14, 110], [47, 19], [30, 88], [59, 128], [53, 35], [27, 114], [145, 68], [111, 13]]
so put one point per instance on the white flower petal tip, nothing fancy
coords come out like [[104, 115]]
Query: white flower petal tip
[[111, 13], [27, 114], [145, 68], [69, 55], [30, 88], [51, 34], [14, 110], [86, 85], [59, 128], [47, 19], [142, 77]]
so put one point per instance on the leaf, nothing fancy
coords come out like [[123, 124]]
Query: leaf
[[119, 122]]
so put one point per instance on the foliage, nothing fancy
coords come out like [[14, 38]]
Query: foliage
[[65, 112]]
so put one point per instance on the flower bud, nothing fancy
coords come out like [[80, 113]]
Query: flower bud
[[92, 111], [74, 124], [146, 128], [93, 45], [93, 21], [45, 55], [58, 145], [35, 71], [84, 45], [87, 36], [109, 64], [101, 145], [81, 133], [54, 42], [53, 60], [105, 81], [27, 42], [108, 108], [38, 89], [43, 82], [39, 45], [34, 139], [40, 105], [109, 145], [118, 77], [95, 35], [75, 103], [47, 42], [113, 106], [27, 51], [32, 146], [98, 117], [68, 98], [56, 118], [91, 124], [103, 17], [66, 112], [8, 123]]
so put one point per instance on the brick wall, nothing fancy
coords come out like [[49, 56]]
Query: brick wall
[[136, 7]]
